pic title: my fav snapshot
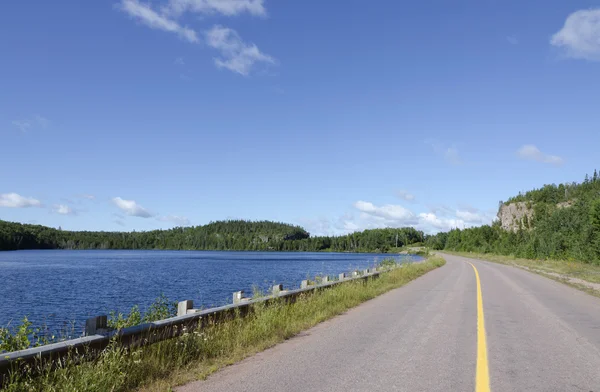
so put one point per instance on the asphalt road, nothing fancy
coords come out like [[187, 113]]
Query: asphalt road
[[541, 336]]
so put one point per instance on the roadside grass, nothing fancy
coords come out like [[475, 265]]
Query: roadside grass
[[199, 353], [574, 273]]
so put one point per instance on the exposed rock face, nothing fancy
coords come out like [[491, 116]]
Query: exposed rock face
[[514, 216], [565, 204]]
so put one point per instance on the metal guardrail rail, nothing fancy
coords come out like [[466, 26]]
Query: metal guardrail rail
[[188, 319]]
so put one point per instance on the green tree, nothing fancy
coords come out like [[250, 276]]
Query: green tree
[[595, 223]]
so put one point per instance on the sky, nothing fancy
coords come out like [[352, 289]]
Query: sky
[[337, 116]]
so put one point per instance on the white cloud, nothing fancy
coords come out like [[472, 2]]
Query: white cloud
[[580, 36], [23, 125], [236, 55], [405, 195], [145, 14], [532, 153], [512, 39], [323, 226], [388, 211], [472, 217], [351, 227], [224, 7], [451, 154], [14, 200], [63, 209], [178, 220], [443, 219], [131, 208], [89, 197], [317, 227], [442, 210], [37, 121], [41, 121], [431, 222]]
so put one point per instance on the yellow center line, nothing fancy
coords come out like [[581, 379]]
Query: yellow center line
[[482, 375]]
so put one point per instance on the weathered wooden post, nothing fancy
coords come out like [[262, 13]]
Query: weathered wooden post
[[355, 274], [304, 284], [325, 279], [96, 325], [342, 276], [184, 306]]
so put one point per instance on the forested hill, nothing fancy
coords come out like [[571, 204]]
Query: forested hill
[[222, 235], [555, 221]]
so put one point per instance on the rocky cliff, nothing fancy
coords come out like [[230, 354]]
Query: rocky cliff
[[515, 215]]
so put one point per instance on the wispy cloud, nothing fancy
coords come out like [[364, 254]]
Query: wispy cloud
[[224, 7], [88, 196], [405, 195], [323, 226], [431, 223], [580, 36], [23, 125], [178, 220], [41, 121], [532, 153], [63, 209], [439, 219], [146, 15], [131, 208], [471, 217], [236, 55], [14, 200], [389, 211], [449, 153], [27, 124]]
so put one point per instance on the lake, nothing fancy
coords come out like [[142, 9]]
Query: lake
[[54, 287]]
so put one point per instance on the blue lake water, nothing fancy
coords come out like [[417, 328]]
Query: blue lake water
[[53, 287]]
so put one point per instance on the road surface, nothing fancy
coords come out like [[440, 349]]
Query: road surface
[[539, 335]]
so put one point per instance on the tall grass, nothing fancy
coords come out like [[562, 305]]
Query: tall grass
[[197, 354]]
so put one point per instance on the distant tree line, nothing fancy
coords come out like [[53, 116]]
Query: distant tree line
[[221, 235], [565, 225]]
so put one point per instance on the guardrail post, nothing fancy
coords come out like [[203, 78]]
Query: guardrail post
[[342, 276], [304, 284], [184, 306], [238, 297], [366, 272], [354, 274], [324, 279], [95, 325], [277, 289]]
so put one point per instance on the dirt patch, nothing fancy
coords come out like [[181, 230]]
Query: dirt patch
[[576, 281]]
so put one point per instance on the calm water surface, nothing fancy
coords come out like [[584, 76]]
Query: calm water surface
[[54, 286]]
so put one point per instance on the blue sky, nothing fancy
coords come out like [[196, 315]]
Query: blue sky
[[339, 116]]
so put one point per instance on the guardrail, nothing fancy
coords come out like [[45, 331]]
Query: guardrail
[[98, 335]]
